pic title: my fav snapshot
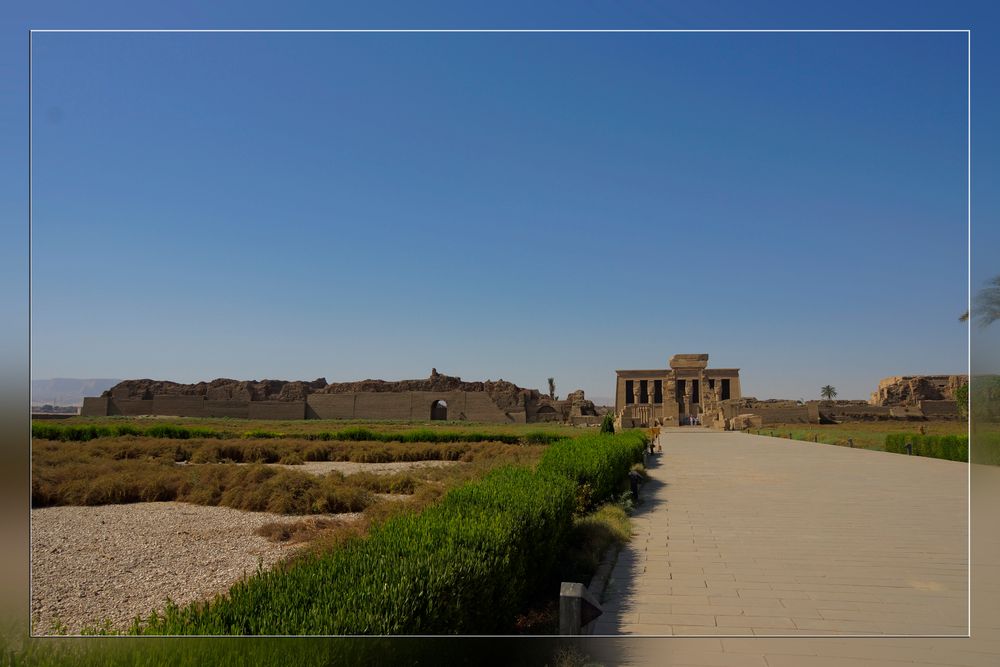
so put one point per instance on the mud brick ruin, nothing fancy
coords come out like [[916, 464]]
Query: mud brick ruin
[[670, 397], [643, 398], [437, 397], [930, 394]]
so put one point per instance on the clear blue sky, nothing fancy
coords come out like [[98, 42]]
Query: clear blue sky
[[515, 206]]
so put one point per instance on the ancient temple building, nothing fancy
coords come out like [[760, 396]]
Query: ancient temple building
[[671, 396]]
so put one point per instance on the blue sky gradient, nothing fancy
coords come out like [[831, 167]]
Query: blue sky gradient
[[516, 206]]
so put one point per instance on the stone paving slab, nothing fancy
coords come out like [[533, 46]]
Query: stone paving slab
[[772, 536], [876, 542]]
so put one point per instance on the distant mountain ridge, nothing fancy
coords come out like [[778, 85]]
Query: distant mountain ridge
[[68, 391]]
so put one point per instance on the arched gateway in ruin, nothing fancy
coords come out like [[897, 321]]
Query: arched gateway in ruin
[[439, 410], [671, 396]]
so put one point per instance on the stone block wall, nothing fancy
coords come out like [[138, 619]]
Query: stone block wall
[[376, 405], [855, 411], [785, 415], [96, 406], [585, 420], [130, 407], [939, 409], [330, 406], [178, 406], [411, 405], [457, 402], [744, 421], [227, 408], [277, 410], [481, 408]]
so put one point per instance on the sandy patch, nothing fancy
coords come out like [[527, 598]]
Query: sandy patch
[[114, 562]]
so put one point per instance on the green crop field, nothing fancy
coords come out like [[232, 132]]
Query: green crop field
[[311, 426], [866, 435]]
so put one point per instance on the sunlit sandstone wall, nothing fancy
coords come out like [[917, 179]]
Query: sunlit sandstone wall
[[410, 405]]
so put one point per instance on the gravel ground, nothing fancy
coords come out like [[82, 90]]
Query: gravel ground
[[110, 563]]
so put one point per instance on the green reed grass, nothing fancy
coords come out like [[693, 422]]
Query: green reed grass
[[463, 566]]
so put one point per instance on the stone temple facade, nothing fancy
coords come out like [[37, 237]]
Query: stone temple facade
[[671, 396]]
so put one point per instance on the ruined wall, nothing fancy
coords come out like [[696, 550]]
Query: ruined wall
[[96, 406], [857, 412], [939, 409], [740, 422], [906, 412], [786, 415], [227, 408], [131, 407], [850, 410], [585, 420], [409, 405], [387, 406], [277, 410], [179, 406], [405, 400], [909, 390], [479, 407], [330, 406], [490, 401]]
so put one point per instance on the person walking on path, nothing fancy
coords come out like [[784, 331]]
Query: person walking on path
[[633, 482]]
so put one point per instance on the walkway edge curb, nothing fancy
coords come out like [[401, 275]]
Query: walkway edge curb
[[599, 582]]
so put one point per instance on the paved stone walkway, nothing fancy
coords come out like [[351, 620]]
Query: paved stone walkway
[[741, 535]]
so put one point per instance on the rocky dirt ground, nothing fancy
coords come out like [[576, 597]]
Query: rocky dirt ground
[[102, 566]]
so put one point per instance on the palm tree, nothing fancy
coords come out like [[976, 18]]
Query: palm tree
[[829, 392], [552, 388], [987, 304]]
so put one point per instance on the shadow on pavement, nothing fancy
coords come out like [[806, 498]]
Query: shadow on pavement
[[623, 583]]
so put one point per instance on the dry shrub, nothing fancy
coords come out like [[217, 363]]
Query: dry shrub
[[384, 509], [589, 539], [374, 455], [276, 531], [260, 453], [303, 530], [318, 452], [334, 498], [131, 468], [235, 452], [398, 483]]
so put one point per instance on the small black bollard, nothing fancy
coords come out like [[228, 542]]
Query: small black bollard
[[909, 448]]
